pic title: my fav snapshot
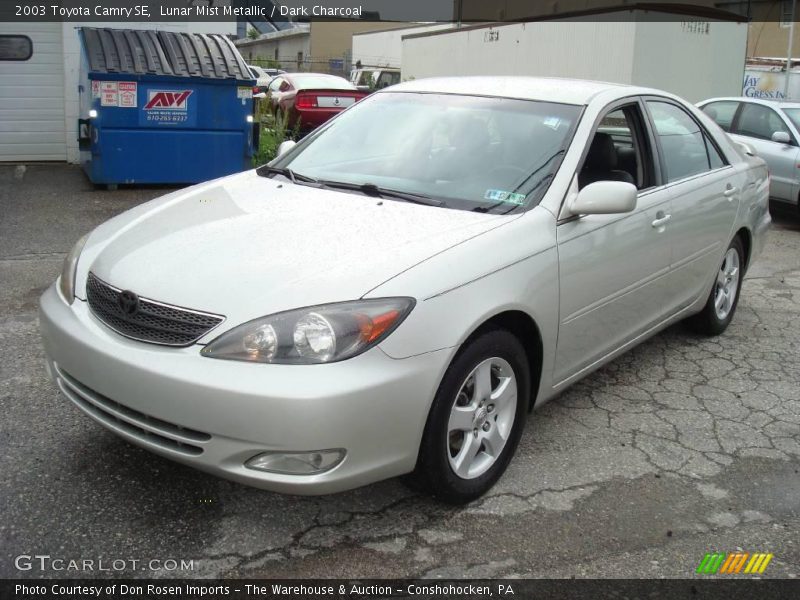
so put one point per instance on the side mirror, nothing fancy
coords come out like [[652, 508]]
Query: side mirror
[[781, 137], [605, 198], [285, 147]]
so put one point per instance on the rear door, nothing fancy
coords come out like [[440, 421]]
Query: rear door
[[614, 268], [705, 193]]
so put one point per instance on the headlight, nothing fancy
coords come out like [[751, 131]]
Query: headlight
[[66, 282], [317, 334]]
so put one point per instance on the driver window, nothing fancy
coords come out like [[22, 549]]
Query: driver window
[[616, 152]]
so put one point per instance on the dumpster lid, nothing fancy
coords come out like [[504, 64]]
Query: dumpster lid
[[177, 54]]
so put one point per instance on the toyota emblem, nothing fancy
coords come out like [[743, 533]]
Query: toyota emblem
[[128, 303]]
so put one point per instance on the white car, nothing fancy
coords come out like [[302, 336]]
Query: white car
[[263, 76], [394, 293]]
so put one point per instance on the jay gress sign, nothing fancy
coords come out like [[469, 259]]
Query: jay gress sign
[[168, 107]]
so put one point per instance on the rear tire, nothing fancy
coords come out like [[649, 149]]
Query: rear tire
[[476, 419], [724, 297]]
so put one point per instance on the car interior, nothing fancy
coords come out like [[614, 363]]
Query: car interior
[[614, 152]]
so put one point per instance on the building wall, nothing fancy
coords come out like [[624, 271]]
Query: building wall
[[693, 62], [284, 50], [333, 40], [770, 38], [32, 97], [384, 48], [571, 49]]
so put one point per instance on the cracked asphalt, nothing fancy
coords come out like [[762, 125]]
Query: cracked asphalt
[[682, 446]]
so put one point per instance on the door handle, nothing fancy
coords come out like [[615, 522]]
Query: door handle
[[730, 191], [661, 221]]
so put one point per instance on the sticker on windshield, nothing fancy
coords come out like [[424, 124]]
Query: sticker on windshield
[[552, 122], [502, 196]]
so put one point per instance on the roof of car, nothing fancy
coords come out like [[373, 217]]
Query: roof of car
[[554, 89], [765, 101]]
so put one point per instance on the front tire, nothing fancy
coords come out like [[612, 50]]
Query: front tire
[[476, 419], [724, 297]]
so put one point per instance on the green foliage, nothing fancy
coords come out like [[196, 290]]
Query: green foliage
[[266, 63], [274, 132], [252, 34]]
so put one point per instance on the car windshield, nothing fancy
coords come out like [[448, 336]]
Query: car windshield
[[794, 115], [472, 153], [319, 82]]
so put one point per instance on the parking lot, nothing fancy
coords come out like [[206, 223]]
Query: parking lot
[[683, 446]]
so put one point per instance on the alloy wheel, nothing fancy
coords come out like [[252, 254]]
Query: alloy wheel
[[481, 418], [727, 284]]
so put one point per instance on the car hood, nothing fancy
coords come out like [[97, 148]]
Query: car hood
[[247, 246]]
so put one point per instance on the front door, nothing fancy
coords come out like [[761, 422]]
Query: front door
[[613, 268]]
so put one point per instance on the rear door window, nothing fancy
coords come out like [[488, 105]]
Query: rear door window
[[683, 143], [759, 122], [722, 113]]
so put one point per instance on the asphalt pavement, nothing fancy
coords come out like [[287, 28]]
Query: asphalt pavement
[[682, 446]]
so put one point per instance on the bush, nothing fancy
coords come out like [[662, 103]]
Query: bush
[[273, 133]]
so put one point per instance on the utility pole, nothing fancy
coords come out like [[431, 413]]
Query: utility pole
[[789, 52]]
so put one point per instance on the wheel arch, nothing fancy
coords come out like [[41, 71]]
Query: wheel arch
[[747, 242], [522, 326]]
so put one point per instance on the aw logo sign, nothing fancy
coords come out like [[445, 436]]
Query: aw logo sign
[[167, 100], [168, 108]]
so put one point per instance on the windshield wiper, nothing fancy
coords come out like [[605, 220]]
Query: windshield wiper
[[370, 189], [294, 177], [485, 208]]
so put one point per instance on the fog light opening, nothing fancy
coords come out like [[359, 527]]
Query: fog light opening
[[297, 463]]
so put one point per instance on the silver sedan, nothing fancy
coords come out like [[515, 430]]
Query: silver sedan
[[772, 129], [393, 294]]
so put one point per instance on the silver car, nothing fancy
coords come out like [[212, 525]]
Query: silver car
[[772, 129], [394, 293]]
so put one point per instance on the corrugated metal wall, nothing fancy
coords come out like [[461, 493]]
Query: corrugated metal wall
[[588, 50], [695, 59], [32, 97]]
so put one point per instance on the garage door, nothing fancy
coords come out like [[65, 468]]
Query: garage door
[[32, 92]]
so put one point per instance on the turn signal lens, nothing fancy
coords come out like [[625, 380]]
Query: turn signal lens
[[373, 328], [317, 334], [66, 283]]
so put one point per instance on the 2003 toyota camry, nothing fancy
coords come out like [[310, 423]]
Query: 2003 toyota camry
[[393, 294]]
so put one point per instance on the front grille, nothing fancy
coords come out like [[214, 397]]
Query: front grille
[[136, 424], [153, 322]]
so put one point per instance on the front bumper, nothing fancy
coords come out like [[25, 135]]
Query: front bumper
[[216, 414]]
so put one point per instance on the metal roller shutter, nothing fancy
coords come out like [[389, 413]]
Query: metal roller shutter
[[32, 124]]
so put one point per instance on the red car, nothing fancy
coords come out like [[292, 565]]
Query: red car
[[310, 99]]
